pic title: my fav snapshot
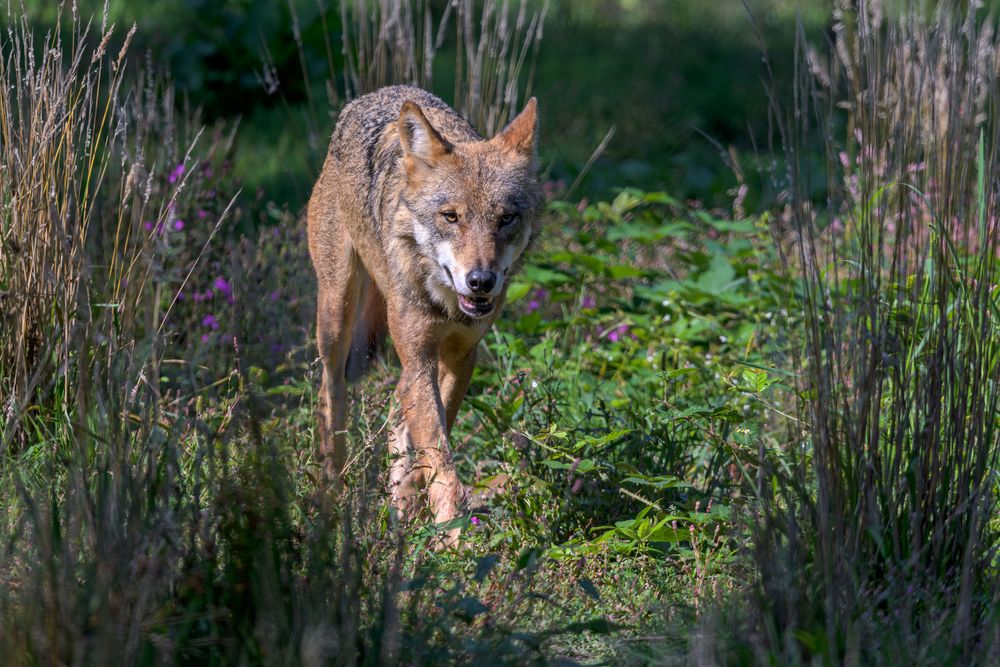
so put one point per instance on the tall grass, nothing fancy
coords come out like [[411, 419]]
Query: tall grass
[[397, 41], [880, 544], [59, 108]]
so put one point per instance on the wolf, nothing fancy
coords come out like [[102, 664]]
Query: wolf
[[416, 225]]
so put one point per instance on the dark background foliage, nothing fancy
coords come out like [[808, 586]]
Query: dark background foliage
[[680, 81]]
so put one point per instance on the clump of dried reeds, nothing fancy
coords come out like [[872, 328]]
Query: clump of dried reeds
[[879, 546], [58, 116], [396, 41]]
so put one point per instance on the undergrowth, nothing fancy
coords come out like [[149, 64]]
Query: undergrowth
[[719, 438]]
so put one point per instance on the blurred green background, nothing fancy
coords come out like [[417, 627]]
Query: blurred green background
[[680, 80]]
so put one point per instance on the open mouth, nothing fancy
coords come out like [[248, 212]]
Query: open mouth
[[476, 306]]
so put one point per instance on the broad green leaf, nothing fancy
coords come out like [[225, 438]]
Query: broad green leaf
[[517, 290], [719, 275]]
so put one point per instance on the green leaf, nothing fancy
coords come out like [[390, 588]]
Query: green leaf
[[660, 198], [669, 534], [719, 275], [621, 271], [517, 290], [286, 390], [625, 202], [693, 411], [547, 277], [664, 482]]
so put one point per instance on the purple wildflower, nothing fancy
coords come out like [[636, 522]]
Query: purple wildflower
[[475, 521], [210, 321], [539, 297], [178, 225], [620, 332], [588, 302], [148, 226], [223, 286], [202, 214], [176, 174], [204, 338]]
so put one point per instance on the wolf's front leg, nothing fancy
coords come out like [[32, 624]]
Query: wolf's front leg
[[424, 415], [404, 481], [335, 313]]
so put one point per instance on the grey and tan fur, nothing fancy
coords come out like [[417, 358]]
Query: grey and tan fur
[[415, 226]]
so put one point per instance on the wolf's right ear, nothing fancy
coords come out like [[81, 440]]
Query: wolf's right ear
[[521, 134], [422, 145]]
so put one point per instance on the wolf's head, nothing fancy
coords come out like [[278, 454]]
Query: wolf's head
[[473, 206]]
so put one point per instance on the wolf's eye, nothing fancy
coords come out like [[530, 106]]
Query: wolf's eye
[[449, 216], [507, 218]]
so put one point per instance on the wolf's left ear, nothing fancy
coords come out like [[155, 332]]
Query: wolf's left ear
[[521, 134]]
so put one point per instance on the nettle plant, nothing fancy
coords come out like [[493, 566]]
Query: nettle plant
[[632, 378]]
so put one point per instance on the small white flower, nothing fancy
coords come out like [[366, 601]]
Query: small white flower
[[723, 339], [666, 318], [768, 315], [746, 408], [708, 358], [534, 384], [665, 302], [649, 358], [718, 377], [610, 358]]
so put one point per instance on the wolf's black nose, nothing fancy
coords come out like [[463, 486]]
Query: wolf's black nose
[[481, 282]]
